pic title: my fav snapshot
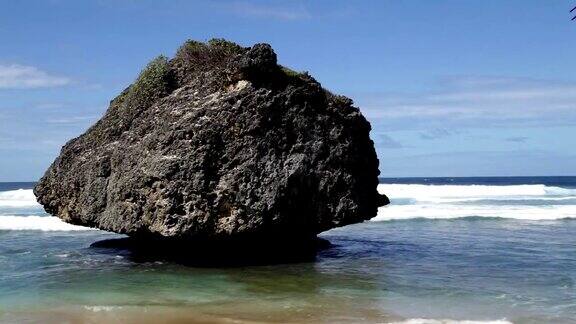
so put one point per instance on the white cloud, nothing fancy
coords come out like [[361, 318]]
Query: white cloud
[[16, 76], [488, 99], [297, 12]]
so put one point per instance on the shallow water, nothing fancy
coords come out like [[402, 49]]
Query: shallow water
[[473, 268]]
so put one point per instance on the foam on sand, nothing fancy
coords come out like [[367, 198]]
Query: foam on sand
[[448, 321]]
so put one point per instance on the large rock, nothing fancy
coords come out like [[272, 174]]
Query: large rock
[[218, 142]]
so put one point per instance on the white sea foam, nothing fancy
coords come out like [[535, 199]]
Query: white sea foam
[[18, 198], [448, 321], [37, 223], [24, 198], [471, 191], [98, 309], [425, 201], [457, 201]]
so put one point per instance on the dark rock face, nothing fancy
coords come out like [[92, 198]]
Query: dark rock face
[[219, 142]]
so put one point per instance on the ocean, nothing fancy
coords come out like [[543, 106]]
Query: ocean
[[446, 250]]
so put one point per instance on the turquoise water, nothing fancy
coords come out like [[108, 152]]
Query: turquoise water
[[423, 257]]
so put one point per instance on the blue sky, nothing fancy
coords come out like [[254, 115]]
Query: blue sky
[[452, 88]]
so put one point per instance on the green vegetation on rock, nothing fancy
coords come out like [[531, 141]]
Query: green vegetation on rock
[[189, 50], [153, 83], [194, 49], [224, 46]]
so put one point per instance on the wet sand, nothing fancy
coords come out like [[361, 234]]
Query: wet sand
[[207, 314]]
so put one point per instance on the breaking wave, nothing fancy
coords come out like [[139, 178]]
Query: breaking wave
[[408, 201], [530, 202], [14, 205], [37, 223], [18, 198]]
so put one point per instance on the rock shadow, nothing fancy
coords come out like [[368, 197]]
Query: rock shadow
[[214, 254]]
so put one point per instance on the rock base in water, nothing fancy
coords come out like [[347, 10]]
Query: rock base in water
[[227, 253]]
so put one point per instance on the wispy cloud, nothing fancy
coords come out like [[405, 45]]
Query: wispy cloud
[[16, 76], [50, 106], [72, 120], [253, 9], [480, 163], [385, 141], [480, 99], [516, 139], [437, 133]]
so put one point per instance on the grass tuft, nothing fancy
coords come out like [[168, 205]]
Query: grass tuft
[[153, 83]]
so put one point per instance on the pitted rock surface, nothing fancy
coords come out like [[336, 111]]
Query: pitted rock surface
[[218, 142]]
